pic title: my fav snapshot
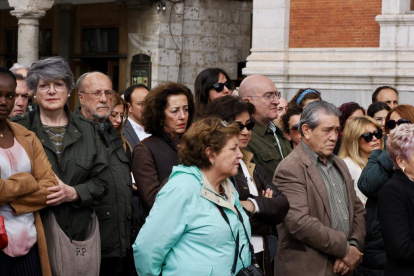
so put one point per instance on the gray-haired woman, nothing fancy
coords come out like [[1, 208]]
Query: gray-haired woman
[[71, 145]]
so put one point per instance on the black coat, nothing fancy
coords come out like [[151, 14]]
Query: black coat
[[396, 216], [374, 176]]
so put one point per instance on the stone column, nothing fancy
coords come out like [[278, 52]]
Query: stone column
[[28, 13]]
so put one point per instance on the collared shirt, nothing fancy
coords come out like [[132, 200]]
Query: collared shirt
[[336, 187], [273, 127], [139, 130]]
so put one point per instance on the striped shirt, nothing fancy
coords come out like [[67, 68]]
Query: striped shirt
[[337, 192]]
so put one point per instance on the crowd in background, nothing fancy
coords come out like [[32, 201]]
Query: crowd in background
[[214, 181]]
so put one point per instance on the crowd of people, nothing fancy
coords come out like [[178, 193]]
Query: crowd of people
[[215, 181]]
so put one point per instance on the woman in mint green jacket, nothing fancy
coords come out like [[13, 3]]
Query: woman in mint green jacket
[[185, 232]]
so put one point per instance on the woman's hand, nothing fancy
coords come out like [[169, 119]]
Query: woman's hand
[[248, 205], [268, 193], [61, 193]]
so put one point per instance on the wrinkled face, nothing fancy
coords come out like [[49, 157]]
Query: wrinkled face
[[213, 94], [7, 96], [226, 162], [322, 139], [245, 134], [389, 97], [22, 98], [137, 102], [266, 108], [294, 134], [96, 109], [176, 114], [51, 95], [380, 117], [117, 115], [365, 148]]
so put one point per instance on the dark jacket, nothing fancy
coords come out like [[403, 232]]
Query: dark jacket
[[153, 160], [396, 216], [272, 211], [82, 165], [115, 210], [265, 149], [130, 134], [373, 178]]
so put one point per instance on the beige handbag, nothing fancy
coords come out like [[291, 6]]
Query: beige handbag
[[69, 257]]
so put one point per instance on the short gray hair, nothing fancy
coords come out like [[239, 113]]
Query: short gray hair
[[82, 77], [50, 69], [18, 66], [310, 114]]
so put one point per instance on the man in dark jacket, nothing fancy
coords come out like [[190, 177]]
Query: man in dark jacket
[[114, 213]]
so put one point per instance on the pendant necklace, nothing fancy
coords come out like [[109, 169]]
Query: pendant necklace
[[1, 133]]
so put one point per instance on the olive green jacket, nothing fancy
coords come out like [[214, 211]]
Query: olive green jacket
[[83, 165], [265, 149]]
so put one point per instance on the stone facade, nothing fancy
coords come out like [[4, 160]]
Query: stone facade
[[205, 33]]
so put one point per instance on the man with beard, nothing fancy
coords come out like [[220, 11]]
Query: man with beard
[[114, 212]]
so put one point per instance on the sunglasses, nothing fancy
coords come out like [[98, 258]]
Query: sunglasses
[[391, 124], [249, 126], [295, 128], [219, 87], [370, 135]]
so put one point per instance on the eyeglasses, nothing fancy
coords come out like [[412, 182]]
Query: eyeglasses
[[391, 124], [97, 94], [295, 128], [45, 87], [249, 126], [370, 135], [219, 87], [270, 95]]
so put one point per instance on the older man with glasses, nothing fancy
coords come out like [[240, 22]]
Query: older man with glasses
[[268, 144], [115, 211]]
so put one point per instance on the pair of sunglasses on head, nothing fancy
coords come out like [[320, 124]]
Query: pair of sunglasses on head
[[391, 124], [219, 87]]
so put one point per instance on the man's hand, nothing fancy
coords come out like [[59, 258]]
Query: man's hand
[[340, 267], [61, 193], [268, 193], [353, 258]]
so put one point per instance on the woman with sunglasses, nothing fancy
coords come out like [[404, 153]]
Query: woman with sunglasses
[[210, 84], [118, 118], [267, 206], [361, 136], [290, 122], [402, 114]]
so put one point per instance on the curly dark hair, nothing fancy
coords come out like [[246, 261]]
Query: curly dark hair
[[207, 132], [286, 117], [347, 109], [309, 96], [229, 107], [155, 103]]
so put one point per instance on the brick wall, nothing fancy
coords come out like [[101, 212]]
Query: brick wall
[[334, 23]]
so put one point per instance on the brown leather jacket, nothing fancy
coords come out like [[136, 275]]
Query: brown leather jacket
[[27, 192]]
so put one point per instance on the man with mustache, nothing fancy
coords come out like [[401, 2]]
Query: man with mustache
[[324, 229], [115, 211]]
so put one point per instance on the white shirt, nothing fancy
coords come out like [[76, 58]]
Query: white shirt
[[355, 172], [21, 230], [139, 130]]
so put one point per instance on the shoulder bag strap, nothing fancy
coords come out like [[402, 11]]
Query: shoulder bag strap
[[247, 236]]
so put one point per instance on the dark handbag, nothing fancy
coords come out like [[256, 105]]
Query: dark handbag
[[4, 241], [253, 269]]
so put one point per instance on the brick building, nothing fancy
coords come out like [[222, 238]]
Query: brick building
[[345, 49]]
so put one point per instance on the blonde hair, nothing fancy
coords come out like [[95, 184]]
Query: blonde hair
[[353, 130]]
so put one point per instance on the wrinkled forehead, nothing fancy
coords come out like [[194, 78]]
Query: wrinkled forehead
[[97, 83]]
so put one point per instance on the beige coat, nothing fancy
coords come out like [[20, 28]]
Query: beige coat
[[307, 243], [27, 192]]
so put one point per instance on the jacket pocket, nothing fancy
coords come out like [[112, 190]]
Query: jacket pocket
[[270, 155], [84, 161], [107, 227]]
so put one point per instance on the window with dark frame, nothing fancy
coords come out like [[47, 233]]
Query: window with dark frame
[[100, 40]]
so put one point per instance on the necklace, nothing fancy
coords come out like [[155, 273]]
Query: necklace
[[1, 133]]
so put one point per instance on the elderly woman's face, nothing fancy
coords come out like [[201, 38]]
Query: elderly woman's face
[[51, 95], [226, 163], [176, 114]]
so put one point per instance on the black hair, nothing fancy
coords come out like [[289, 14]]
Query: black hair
[[376, 92], [286, 117], [6, 72], [229, 107], [129, 90], [375, 107]]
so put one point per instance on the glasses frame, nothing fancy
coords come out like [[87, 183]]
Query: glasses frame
[[368, 136], [249, 126], [109, 95], [219, 87], [54, 87], [295, 128], [268, 95], [391, 124]]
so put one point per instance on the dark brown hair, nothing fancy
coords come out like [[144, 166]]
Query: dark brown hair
[[155, 103], [309, 96], [406, 111], [229, 107], [209, 132]]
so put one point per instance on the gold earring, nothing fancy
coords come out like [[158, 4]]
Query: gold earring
[[403, 169]]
